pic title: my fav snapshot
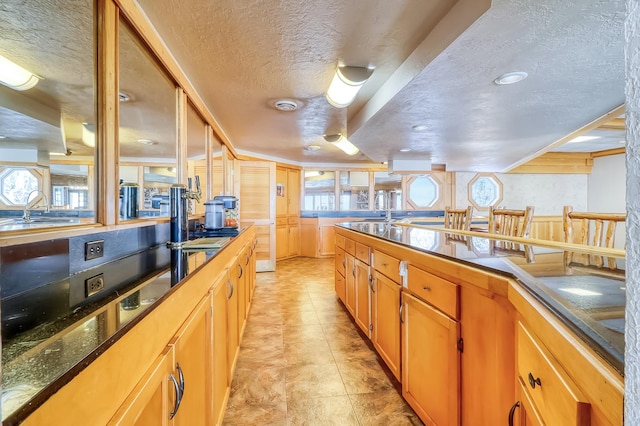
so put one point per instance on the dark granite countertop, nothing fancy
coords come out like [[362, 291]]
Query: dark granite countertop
[[37, 362], [585, 291]]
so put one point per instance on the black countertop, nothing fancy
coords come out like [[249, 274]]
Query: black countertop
[[37, 362], [585, 291]]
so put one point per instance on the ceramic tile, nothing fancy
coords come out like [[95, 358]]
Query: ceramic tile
[[308, 352], [252, 386], [313, 381], [274, 414], [364, 376], [335, 410], [383, 408]]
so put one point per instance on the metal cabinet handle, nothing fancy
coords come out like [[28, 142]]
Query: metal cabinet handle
[[178, 400], [344, 263], [401, 309], [371, 280], [512, 412], [534, 381], [230, 289], [181, 377], [384, 265], [240, 266], [354, 271], [247, 259], [426, 287]]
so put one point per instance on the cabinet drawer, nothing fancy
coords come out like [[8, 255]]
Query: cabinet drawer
[[340, 240], [293, 220], [387, 265], [350, 246], [438, 292], [281, 221], [362, 253], [554, 395]]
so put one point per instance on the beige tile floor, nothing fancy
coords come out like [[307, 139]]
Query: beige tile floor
[[303, 360]]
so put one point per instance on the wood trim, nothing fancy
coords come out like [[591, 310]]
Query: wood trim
[[107, 112], [182, 105], [557, 163], [608, 152]]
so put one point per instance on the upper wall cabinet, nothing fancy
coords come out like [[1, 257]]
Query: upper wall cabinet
[[148, 122], [47, 114]]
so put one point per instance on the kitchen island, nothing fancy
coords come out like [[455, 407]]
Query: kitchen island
[[490, 328]]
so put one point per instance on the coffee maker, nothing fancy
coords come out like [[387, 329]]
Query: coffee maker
[[230, 205]]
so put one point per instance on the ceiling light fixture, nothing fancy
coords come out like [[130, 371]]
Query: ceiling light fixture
[[405, 150], [313, 173], [419, 128], [16, 77], [342, 143], [285, 105], [312, 147], [583, 139], [345, 85], [124, 97], [510, 78], [146, 142]]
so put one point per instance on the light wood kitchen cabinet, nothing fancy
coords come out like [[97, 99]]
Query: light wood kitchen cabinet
[[340, 284], [362, 304], [153, 399], [177, 389], [221, 378], [430, 362], [233, 321], [385, 319], [287, 212], [350, 284]]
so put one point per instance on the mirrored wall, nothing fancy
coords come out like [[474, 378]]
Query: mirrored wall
[[47, 115]]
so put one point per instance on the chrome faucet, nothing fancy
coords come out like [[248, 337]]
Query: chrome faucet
[[26, 216]]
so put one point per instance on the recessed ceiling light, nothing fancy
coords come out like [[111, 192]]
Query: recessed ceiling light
[[511, 77], [405, 150], [2, 137], [583, 139], [622, 142], [124, 97], [285, 105], [419, 128], [146, 142], [311, 147]]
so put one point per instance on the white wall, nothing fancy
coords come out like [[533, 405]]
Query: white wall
[[607, 185], [546, 192]]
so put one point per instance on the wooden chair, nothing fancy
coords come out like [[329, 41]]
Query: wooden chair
[[458, 218], [514, 223], [591, 227]]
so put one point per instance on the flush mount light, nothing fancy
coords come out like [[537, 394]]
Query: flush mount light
[[124, 97], [405, 150], [345, 85], [313, 173], [342, 143], [146, 142], [16, 77], [312, 147], [510, 78], [2, 137], [285, 105], [419, 128]]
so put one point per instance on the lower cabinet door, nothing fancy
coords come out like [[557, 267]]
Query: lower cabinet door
[[363, 304], [385, 304], [220, 364], [341, 289], [350, 284], [430, 363], [154, 398]]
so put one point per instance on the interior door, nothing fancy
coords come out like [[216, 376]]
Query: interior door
[[255, 186]]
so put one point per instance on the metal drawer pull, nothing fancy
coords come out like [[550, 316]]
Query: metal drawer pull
[[181, 377], [401, 309], [344, 263], [178, 400], [240, 267], [533, 382], [512, 412], [371, 284], [426, 287], [354, 272], [384, 265], [230, 289]]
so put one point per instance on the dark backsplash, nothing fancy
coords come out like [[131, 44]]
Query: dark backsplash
[[45, 280]]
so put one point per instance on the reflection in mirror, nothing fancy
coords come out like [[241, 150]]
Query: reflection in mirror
[[147, 136], [47, 114], [319, 190], [196, 156], [388, 191], [354, 190]]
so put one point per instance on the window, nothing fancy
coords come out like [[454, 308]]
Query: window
[[423, 191], [387, 189], [319, 190], [354, 190], [16, 184], [485, 190]]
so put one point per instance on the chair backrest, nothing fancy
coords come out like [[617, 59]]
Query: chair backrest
[[591, 227], [458, 218], [514, 223]]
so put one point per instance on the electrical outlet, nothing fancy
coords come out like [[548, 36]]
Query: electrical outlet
[[94, 285], [93, 249]]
